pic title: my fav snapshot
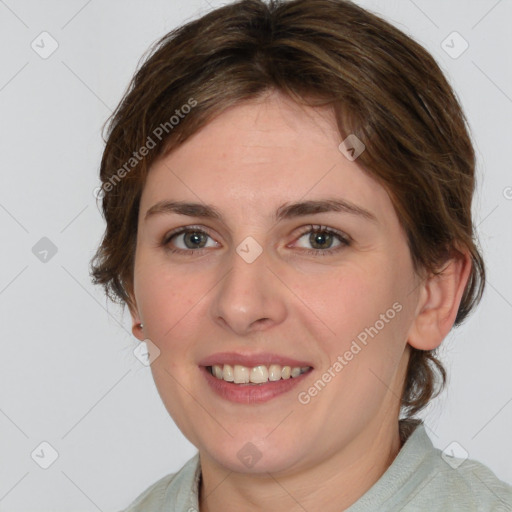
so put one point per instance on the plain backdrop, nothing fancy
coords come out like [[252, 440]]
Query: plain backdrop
[[68, 375]]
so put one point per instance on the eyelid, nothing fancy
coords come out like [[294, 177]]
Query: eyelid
[[345, 240], [305, 229], [321, 228], [183, 229]]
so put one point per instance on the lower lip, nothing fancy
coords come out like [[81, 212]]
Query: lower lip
[[251, 393]]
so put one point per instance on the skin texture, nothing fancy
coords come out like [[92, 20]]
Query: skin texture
[[248, 161]]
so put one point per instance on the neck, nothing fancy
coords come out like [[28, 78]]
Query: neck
[[333, 484]]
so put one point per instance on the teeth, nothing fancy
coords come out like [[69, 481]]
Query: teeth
[[217, 371], [256, 375], [259, 374], [241, 374], [274, 372], [227, 373], [295, 372]]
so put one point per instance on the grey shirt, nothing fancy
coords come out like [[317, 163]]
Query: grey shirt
[[421, 478]]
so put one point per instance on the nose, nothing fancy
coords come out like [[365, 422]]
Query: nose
[[250, 297]]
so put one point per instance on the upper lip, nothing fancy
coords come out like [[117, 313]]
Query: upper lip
[[251, 360]]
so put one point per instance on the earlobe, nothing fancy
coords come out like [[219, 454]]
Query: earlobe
[[438, 303], [137, 330], [137, 325]]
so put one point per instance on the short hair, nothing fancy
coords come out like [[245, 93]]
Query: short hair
[[383, 87]]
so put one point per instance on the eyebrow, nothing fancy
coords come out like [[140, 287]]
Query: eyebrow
[[285, 211]]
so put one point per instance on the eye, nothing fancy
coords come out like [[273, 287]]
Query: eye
[[321, 238], [192, 239]]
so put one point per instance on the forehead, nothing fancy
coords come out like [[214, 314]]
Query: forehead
[[260, 154]]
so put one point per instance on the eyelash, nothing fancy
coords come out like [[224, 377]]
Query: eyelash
[[345, 240]]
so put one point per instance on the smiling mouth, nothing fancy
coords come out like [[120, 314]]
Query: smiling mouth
[[260, 374]]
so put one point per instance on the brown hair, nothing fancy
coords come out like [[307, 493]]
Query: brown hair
[[383, 87]]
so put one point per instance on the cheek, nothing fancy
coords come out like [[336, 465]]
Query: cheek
[[364, 308], [164, 296], [350, 298], [370, 326]]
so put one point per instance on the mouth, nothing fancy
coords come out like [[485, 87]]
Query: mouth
[[252, 379], [256, 375]]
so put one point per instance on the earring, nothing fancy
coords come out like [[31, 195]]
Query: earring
[[141, 326]]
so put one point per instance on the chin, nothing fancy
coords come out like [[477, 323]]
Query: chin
[[254, 454]]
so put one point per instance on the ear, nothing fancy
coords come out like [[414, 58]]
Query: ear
[[137, 330], [438, 303]]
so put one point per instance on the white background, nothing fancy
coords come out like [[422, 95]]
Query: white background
[[67, 372]]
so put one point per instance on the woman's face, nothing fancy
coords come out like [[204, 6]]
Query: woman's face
[[255, 285]]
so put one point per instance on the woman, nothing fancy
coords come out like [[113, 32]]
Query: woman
[[287, 189]]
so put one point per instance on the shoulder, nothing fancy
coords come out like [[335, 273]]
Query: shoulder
[[470, 481], [171, 492], [463, 484], [422, 477]]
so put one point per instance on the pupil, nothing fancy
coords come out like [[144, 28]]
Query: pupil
[[317, 239], [320, 239], [195, 237]]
